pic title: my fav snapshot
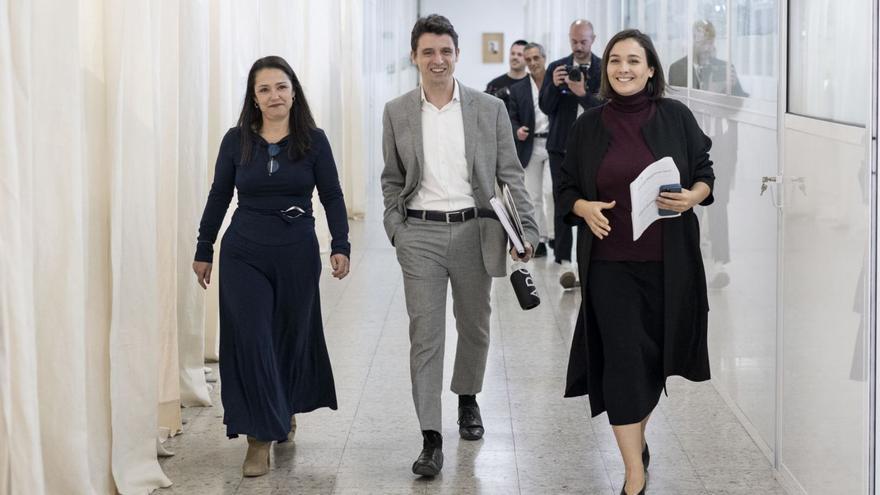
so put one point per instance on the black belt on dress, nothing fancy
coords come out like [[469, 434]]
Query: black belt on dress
[[288, 215], [541, 134], [462, 215]]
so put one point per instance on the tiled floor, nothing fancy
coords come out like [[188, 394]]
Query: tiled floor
[[536, 442]]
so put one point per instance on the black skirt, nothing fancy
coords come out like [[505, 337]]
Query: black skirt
[[626, 298]]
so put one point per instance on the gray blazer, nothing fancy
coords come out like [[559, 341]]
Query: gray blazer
[[491, 156]]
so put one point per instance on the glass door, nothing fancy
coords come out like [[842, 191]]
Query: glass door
[[824, 427]]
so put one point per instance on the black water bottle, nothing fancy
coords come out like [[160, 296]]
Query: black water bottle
[[524, 287]]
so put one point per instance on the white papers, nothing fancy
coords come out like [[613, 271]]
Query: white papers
[[644, 190], [509, 218], [512, 210]]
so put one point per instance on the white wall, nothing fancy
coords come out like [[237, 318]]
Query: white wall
[[472, 19]]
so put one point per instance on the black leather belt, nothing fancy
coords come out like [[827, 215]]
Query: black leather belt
[[462, 215], [288, 215], [541, 134]]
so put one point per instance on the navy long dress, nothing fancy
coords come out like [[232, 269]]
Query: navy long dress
[[273, 357]]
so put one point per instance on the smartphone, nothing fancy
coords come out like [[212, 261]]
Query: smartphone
[[676, 188]]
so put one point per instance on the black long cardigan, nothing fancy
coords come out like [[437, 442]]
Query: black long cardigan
[[671, 131]]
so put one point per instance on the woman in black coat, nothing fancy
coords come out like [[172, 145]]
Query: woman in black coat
[[645, 306]]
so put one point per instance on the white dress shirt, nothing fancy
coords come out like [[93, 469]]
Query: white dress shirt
[[445, 184], [542, 123]]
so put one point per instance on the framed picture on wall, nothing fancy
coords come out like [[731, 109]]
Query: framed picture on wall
[[493, 48]]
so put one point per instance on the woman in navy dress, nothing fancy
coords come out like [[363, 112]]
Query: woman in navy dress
[[273, 357]]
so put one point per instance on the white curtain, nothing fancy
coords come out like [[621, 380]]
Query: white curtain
[[21, 466], [388, 73], [549, 20], [112, 114]]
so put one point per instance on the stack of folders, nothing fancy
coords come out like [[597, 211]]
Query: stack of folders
[[508, 215]]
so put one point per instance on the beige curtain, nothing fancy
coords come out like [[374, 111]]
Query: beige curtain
[[388, 73], [21, 466], [112, 114]]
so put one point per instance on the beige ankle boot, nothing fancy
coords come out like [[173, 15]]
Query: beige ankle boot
[[292, 429], [256, 462]]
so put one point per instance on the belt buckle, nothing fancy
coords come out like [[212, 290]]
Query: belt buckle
[[459, 212], [293, 212]]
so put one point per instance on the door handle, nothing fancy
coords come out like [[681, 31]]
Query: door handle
[[776, 180], [765, 181]]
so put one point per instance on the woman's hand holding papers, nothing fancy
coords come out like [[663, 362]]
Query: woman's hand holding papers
[[591, 212]]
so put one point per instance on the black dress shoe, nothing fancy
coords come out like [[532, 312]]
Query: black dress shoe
[[470, 424], [541, 250], [646, 456], [430, 461], [623, 489]]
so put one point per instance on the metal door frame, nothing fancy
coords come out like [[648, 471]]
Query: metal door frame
[[874, 346]]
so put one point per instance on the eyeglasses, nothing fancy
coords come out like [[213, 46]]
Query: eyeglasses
[[272, 166]]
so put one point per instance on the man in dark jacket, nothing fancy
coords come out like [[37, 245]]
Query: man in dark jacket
[[500, 86], [563, 99], [530, 130]]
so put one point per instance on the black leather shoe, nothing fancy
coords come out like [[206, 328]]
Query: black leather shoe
[[430, 461], [646, 456], [541, 250], [470, 424], [623, 489]]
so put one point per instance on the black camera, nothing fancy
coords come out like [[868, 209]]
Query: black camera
[[574, 71], [503, 93]]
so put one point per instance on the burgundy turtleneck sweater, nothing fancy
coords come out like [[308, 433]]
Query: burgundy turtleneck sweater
[[627, 156]]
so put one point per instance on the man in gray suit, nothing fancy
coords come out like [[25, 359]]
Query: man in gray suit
[[446, 147]]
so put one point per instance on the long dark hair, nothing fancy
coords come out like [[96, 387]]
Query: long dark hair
[[301, 121], [656, 86]]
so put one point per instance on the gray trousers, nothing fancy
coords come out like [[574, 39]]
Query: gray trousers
[[534, 177], [433, 255]]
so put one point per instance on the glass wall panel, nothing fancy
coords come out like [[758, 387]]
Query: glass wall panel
[[710, 48], [674, 52], [606, 19], [675, 46], [630, 9], [754, 54], [665, 21], [829, 59], [739, 247], [824, 432], [652, 17]]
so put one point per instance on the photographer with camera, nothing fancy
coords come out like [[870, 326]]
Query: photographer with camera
[[500, 85], [572, 87]]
